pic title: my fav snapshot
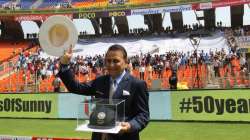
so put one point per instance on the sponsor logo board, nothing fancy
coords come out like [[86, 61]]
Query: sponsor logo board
[[40, 17], [161, 10]]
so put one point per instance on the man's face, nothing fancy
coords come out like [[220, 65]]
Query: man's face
[[115, 63]]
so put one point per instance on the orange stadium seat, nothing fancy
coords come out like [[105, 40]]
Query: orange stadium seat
[[7, 49]]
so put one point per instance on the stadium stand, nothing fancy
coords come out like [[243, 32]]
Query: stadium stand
[[3, 1], [38, 4], [76, 1], [27, 4], [54, 4], [9, 50], [222, 67], [33, 72]]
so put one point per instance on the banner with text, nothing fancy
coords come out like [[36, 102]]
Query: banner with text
[[88, 15], [161, 10], [91, 15], [28, 105], [116, 13], [204, 105], [234, 106], [68, 105], [40, 17], [132, 3]]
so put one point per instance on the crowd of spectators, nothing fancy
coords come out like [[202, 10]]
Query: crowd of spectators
[[28, 4], [11, 5], [147, 64], [40, 68]]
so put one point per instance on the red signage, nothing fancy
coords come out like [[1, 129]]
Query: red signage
[[38, 17], [223, 3]]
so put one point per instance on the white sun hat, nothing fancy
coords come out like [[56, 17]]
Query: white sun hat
[[57, 34]]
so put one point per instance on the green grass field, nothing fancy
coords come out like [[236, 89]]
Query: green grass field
[[154, 131]]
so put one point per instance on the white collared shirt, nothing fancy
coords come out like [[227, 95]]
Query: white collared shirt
[[118, 79]]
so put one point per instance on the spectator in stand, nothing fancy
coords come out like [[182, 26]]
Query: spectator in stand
[[242, 61], [149, 70], [160, 69], [173, 80], [56, 84], [130, 68], [216, 67], [207, 60], [142, 71], [243, 74], [43, 72]]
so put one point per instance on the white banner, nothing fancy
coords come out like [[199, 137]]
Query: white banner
[[177, 8], [146, 11]]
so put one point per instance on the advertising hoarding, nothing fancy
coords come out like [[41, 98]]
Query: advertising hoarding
[[67, 105], [88, 15], [211, 107], [163, 105], [137, 6], [40, 17], [28, 105], [91, 15], [161, 10], [133, 3], [116, 13]]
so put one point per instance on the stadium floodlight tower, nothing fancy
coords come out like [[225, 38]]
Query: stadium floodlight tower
[[195, 42]]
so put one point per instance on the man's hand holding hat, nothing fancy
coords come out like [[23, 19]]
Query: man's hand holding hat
[[65, 59]]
